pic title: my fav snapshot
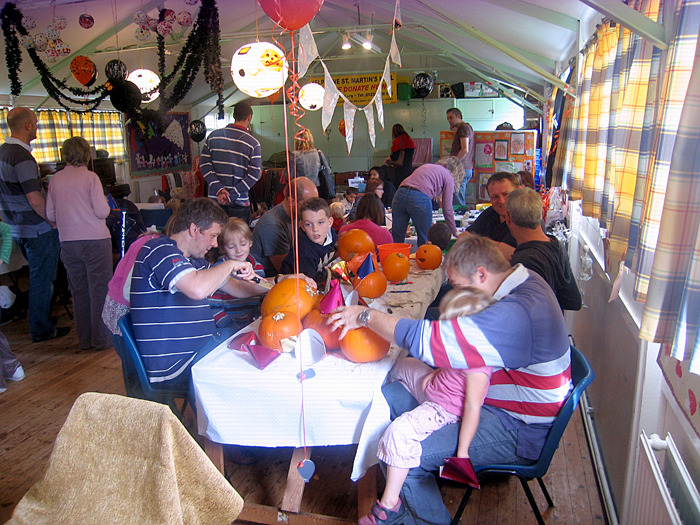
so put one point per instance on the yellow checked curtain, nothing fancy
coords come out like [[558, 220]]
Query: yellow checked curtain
[[102, 129]]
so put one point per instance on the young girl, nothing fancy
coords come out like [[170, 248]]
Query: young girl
[[337, 212], [446, 396]]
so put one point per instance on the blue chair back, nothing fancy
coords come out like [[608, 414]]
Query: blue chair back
[[159, 218]]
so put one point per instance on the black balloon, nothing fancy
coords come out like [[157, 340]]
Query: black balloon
[[197, 130], [116, 69], [125, 95], [423, 84]]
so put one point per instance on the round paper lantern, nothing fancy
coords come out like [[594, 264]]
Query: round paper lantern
[[86, 21], [184, 18], [116, 69], [423, 84], [60, 23], [311, 96], [142, 34], [291, 14], [169, 15], [146, 80], [125, 95], [28, 23], [197, 130], [259, 69], [40, 41], [83, 69]]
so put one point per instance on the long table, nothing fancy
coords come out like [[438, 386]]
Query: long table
[[239, 404]]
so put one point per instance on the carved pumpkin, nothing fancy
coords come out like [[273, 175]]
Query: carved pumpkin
[[372, 286], [429, 256], [319, 322], [396, 266], [282, 297], [362, 345], [277, 326], [353, 242]]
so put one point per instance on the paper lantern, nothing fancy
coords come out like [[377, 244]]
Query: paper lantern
[[165, 28], [259, 69], [116, 69], [60, 22], [147, 81], [86, 21], [28, 23], [423, 84], [184, 18], [311, 96], [83, 69], [142, 34], [291, 14], [197, 130], [26, 41]]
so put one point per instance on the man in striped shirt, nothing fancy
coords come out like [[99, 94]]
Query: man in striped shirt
[[231, 162], [523, 334], [173, 323]]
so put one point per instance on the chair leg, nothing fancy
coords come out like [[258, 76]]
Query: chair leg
[[532, 501], [462, 506], [545, 492]]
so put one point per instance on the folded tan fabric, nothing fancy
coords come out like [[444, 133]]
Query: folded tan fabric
[[122, 460]]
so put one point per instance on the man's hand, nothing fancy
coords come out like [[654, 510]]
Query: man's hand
[[223, 197]]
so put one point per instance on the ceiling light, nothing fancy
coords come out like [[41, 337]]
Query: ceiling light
[[346, 42], [367, 44]]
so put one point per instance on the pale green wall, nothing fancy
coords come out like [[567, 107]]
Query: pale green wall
[[421, 118]]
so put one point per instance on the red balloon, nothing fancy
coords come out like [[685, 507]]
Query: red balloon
[[291, 14]]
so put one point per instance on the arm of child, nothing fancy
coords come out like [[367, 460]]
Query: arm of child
[[476, 385]]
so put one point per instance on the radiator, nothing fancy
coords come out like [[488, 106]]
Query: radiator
[[664, 491]]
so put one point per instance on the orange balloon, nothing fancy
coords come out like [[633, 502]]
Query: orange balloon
[[83, 69]]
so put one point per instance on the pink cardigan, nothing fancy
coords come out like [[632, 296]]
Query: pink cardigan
[[379, 234], [76, 203]]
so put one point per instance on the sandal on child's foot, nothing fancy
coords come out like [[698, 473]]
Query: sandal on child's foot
[[383, 516]]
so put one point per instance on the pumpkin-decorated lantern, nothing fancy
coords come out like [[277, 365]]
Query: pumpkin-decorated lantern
[[290, 295], [147, 82], [259, 69], [396, 266], [429, 256], [354, 242], [276, 327], [362, 345]]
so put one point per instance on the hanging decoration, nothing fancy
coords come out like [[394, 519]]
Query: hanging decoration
[[197, 130], [259, 69], [83, 69], [423, 84], [124, 95], [311, 96], [291, 14], [86, 21], [272, 98], [116, 69], [147, 82]]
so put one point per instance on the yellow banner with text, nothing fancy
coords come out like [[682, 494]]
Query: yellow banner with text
[[360, 89]]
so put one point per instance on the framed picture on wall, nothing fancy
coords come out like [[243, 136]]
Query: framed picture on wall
[[501, 150], [517, 143], [482, 180], [151, 152]]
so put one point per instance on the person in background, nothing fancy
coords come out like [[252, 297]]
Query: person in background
[[413, 199], [177, 197], [272, 236], [231, 163], [369, 218], [23, 206], [374, 186], [401, 158], [10, 367], [439, 234], [380, 172], [541, 253], [317, 239], [348, 199], [527, 180], [337, 213], [308, 160], [77, 204], [463, 149], [504, 126], [156, 199]]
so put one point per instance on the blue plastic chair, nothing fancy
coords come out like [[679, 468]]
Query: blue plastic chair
[[581, 376], [165, 395]]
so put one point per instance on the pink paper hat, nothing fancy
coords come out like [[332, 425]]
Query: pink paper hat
[[333, 299]]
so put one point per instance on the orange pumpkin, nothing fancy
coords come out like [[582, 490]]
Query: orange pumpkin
[[429, 256], [319, 322], [282, 297], [277, 326], [362, 345], [372, 286], [396, 266], [354, 264], [353, 242]]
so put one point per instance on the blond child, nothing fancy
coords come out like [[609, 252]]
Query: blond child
[[446, 396], [337, 212]]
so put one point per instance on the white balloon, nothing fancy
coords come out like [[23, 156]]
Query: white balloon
[[311, 96]]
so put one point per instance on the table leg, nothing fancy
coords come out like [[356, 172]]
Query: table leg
[[294, 489], [215, 451], [366, 491]]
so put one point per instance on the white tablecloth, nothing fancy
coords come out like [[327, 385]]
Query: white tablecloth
[[237, 403]]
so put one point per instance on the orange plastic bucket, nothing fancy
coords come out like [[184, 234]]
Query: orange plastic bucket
[[385, 249]]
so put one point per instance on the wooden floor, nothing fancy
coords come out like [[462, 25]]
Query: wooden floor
[[32, 412]]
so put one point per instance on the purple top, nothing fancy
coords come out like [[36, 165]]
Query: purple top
[[435, 180]]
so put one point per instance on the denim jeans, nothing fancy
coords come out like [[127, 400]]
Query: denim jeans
[[460, 198], [42, 257], [413, 205], [420, 493]]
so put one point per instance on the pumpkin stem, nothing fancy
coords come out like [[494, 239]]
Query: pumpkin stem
[[278, 316]]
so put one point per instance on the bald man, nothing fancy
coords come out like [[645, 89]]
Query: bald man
[[23, 206], [272, 236]]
